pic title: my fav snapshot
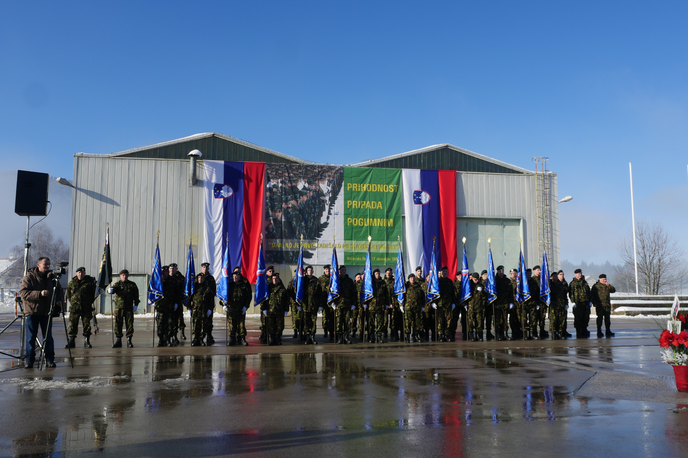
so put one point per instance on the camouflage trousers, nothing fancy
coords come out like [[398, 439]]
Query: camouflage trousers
[[328, 318], [274, 322], [198, 321], [476, 318], [86, 317], [236, 322], [177, 320], [163, 321], [453, 316], [441, 314], [343, 319], [376, 321], [500, 318], [354, 316], [557, 318], [542, 316], [310, 322], [603, 315], [413, 320], [127, 316], [531, 317], [296, 317]]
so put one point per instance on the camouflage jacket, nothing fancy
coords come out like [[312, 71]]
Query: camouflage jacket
[[380, 298], [325, 288], [239, 294], [579, 291], [347, 292], [447, 296], [478, 298], [279, 300], [505, 292], [415, 298], [559, 291], [601, 295], [126, 294], [313, 295], [212, 284], [389, 283], [81, 293], [203, 297], [534, 286]]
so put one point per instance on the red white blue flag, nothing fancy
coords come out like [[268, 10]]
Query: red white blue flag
[[234, 196]]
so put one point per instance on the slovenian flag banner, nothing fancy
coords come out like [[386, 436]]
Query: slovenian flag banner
[[234, 196], [430, 211]]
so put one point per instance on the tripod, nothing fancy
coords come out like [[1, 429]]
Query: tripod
[[41, 345], [22, 330]]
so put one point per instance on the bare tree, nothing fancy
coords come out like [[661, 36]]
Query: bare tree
[[43, 243], [661, 261]]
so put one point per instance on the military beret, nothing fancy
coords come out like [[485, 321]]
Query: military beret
[[560, 272], [199, 275], [483, 272], [376, 270], [536, 268], [418, 268], [388, 269], [173, 264], [327, 266], [124, 271], [309, 267], [342, 267], [500, 267], [276, 274], [270, 268], [577, 271], [444, 268], [81, 269], [412, 275], [359, 273], [603, 275], [513, 270], [475, 275], [205, 264], [165, 267], [237, 270]]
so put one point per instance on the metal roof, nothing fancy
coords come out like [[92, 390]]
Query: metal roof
[[434, 148], [194, 138]]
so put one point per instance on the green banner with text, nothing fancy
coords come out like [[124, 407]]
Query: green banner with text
[[372, 207]]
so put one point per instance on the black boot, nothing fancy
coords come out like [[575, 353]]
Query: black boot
[[489, 335], [609, 333], [325, 334], [346, 339], [183, 336], [87, 342], [380, 338], [313, 341], [296, 334], [195, 343], [71, 343], [543, 334], [599, 333], [118, 343], [129, 344], [162, 342], [332, 337], [272, 340], [173, 341], [209, 340], [263, 337], [232, 341], [242, 341]]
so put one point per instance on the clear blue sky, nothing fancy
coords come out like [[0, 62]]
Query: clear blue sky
[[592, 85]]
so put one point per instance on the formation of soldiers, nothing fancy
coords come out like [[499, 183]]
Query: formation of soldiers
[[345, 317]]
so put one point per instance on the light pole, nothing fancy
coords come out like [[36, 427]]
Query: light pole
[[635, 250]]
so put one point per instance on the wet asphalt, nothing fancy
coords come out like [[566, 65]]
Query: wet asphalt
[[575, 397]]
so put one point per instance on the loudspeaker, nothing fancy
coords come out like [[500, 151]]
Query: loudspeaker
[[32, 194]]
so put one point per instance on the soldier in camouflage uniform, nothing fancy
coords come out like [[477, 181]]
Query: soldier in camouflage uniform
[[446, 307], [461, 306], [312, 305], [579, 293], [202, 303], [476, 308], [164, 309], [81, 293], [505, 296], [600, 294], [559, 289], [533, 306], [428, 311], [487, 307], [516, 315], [414, 301], [356, 314], [208, 320], [327, 312], [241, 300], [296, 314], [126, 302], [269, 271], [376, 309], [393, 316], [277, 307], [178, 314], [343, 304]]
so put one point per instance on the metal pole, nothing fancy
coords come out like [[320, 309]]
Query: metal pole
[[635, 250]]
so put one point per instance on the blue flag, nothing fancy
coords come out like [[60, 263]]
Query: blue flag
[[299, 283], [155, 283], [334, 278], [434, 282], [225, 275], [262, 289], [367, 290], [522, 288], [491, 286], [465, 280], [190, 283], [544, 280], [400, 278]]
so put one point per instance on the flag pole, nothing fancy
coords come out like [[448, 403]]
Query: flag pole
[[521, 307], [468, 322], [494, 317]]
